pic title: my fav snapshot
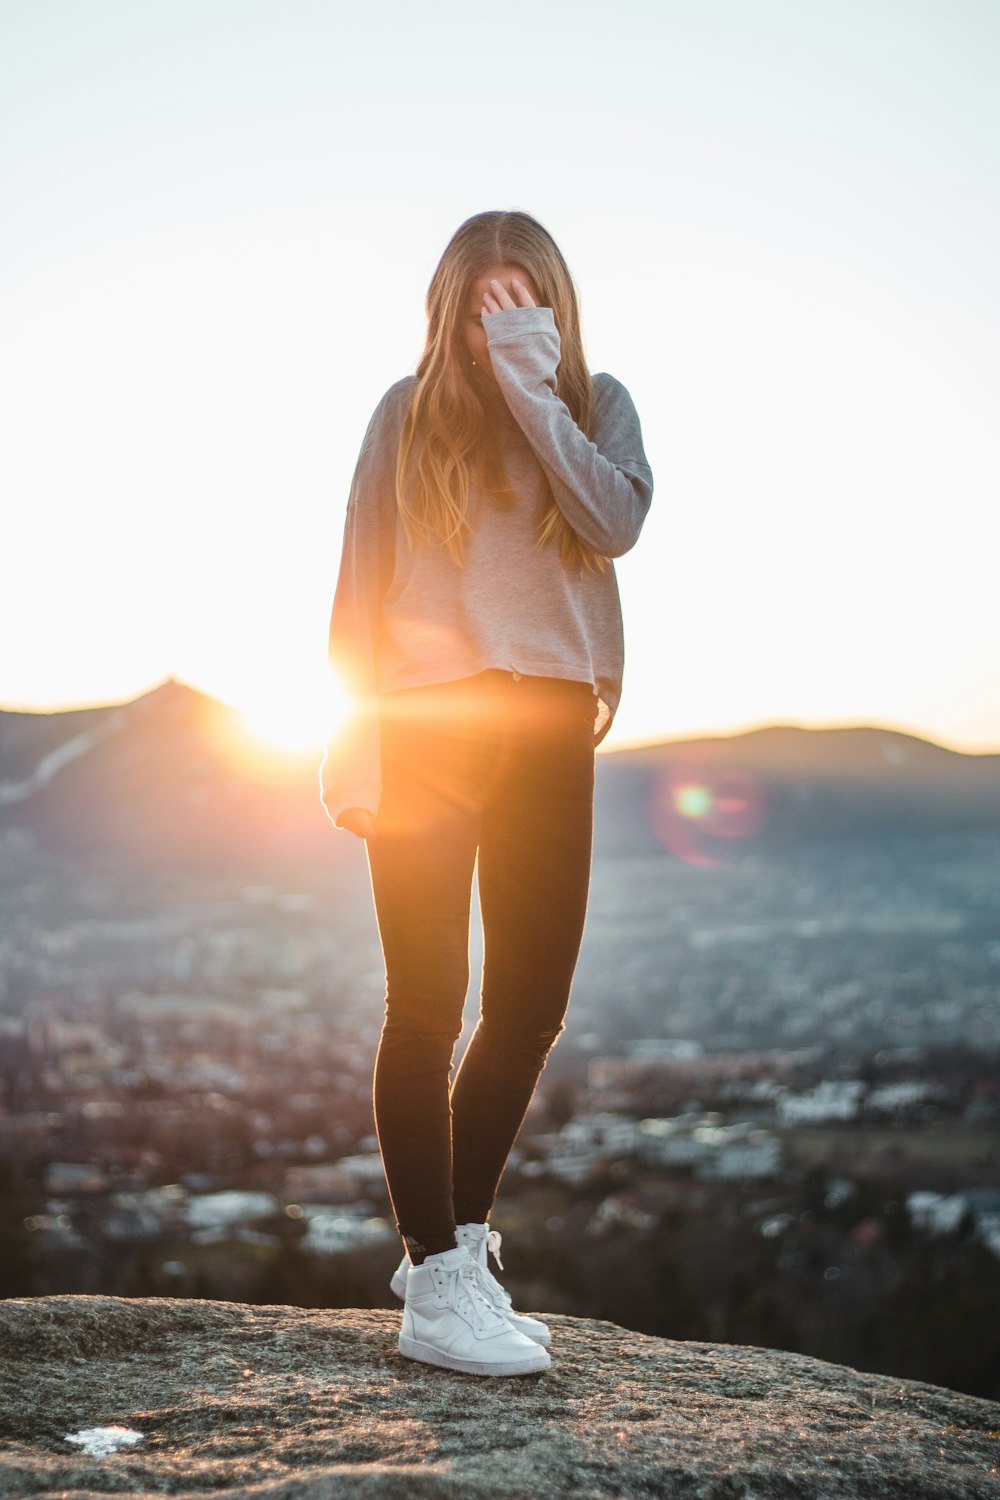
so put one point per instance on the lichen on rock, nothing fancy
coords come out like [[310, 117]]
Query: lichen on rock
[[286, 1403]]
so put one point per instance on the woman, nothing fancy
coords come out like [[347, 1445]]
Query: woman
[[477, 623]]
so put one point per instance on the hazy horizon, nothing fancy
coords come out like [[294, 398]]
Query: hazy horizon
[[638, 743]]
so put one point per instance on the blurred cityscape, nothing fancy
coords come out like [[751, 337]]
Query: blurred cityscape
[[773, 1118]]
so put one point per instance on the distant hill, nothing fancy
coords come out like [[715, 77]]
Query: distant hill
[[782, 785], [160, 780], [170, 780]]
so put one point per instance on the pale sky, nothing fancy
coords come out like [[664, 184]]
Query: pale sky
[[219, 219]]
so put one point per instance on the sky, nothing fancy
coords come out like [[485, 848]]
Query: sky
[[220, 218]]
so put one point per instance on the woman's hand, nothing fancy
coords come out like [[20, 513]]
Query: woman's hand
[[359, 821], [498, 298]]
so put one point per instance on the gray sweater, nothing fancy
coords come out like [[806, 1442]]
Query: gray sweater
[[406, 618]]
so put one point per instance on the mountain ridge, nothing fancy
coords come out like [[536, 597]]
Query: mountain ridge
[[172, 779]]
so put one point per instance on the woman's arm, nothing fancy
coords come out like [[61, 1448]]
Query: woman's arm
[[603, 487], [350, 775]]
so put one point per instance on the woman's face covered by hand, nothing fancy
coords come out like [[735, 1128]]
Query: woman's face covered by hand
[[497, 288]]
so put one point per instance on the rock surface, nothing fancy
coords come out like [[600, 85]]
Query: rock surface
[[285, 1403]]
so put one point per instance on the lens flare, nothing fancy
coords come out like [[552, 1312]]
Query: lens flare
[[692, 807]]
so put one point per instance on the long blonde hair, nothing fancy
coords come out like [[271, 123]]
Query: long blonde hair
[[448, 440]]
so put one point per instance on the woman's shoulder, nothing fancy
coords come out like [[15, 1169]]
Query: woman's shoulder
[[608, 387], [400, 388], [612, 397], [387, 418], [398, 396]]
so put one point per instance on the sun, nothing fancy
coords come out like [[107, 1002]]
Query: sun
[[295, 720]]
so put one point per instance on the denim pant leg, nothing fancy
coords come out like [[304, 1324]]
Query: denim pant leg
[[534, 876], [421, 864]]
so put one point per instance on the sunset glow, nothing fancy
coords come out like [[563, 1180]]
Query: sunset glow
[[219, 227], [288, 727], [295, 720]]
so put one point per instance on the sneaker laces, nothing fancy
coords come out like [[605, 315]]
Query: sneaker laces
[[494, 1289], [493, 1242], [467, 1297]]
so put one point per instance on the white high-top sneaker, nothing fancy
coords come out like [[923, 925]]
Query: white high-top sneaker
[[479, 1238], [448, 1320]]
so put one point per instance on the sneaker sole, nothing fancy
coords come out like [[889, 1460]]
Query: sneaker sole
[[399, 1287], [428, 1355]]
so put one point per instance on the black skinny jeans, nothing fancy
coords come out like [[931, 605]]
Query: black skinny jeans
[[503, 766]]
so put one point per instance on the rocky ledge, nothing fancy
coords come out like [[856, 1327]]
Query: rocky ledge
[[284, 1403]]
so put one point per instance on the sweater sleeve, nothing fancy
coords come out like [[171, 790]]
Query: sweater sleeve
[[603, 487], [350, 773]]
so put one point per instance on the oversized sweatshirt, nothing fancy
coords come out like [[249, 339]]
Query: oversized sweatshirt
[[406, 618]]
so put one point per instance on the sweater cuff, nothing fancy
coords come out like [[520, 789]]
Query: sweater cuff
[[338, 797], [512, 322]]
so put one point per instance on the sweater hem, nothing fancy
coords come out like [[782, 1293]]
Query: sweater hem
[[457, 672]]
